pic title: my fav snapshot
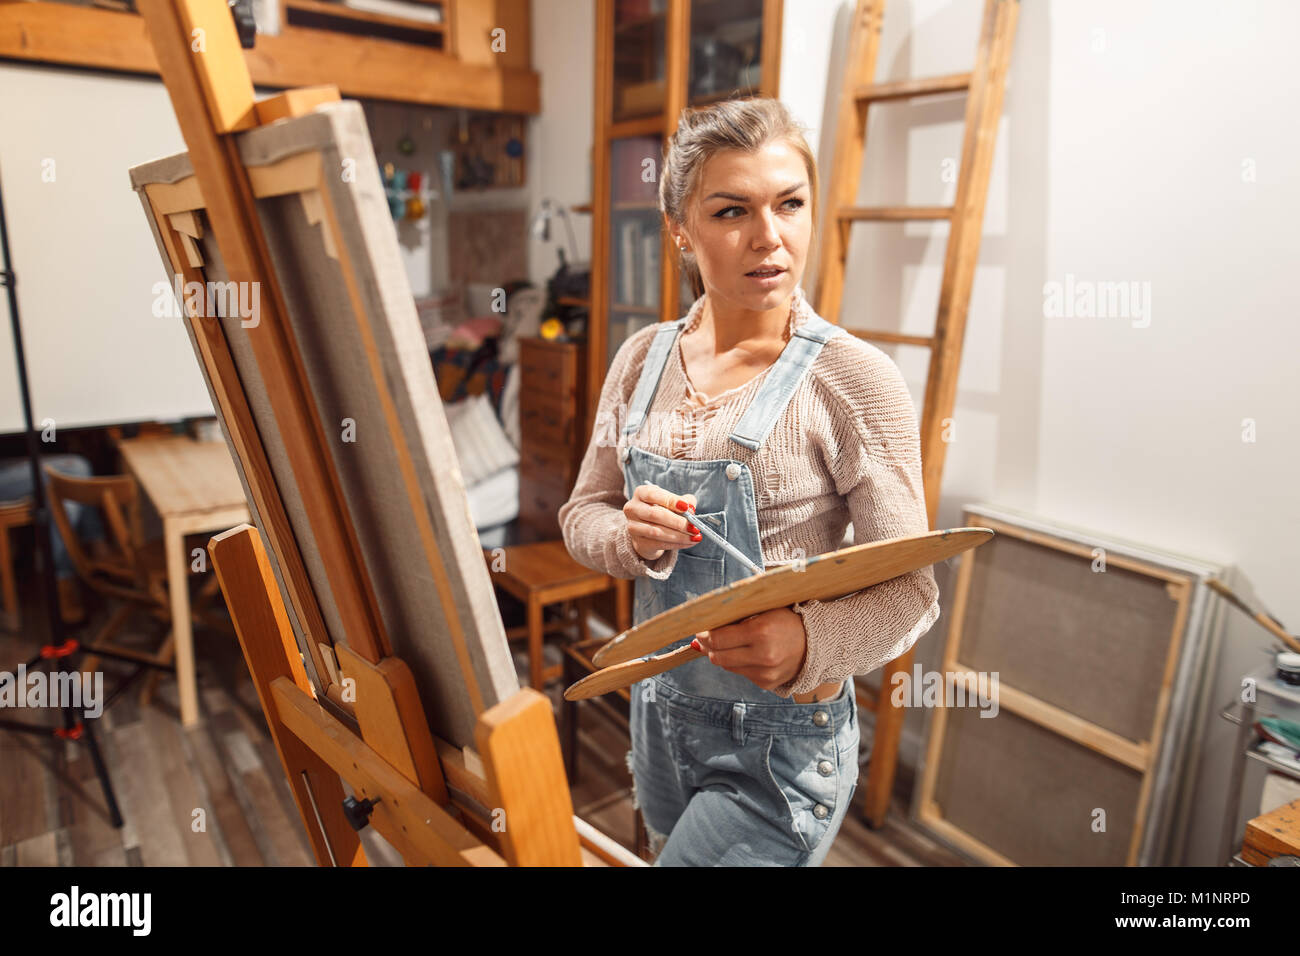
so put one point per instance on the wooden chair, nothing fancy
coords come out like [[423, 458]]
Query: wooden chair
[[129, 571], [541, 574], [13, 514]]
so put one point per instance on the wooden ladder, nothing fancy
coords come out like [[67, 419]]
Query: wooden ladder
[[983, 86]]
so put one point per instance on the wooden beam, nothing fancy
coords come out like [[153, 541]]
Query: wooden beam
[[67, 35], [242, 568], [232, 213], [906, 89], [533, 811], [438, 837]]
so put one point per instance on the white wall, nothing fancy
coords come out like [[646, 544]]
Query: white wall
[[85, 258], [1130, 135], [559, 138], [1126, 152]]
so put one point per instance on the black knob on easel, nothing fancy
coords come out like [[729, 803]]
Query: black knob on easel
[[358, 811]]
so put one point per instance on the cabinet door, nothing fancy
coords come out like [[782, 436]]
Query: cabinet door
[[726, 54], [635, 236], [639, 55]]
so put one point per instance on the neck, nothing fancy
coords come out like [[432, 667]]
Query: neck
[[732, 327]]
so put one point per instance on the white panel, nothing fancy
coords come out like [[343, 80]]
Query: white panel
[[86, 262]]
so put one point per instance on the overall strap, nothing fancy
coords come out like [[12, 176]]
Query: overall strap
[[651, 371], [796, 358]]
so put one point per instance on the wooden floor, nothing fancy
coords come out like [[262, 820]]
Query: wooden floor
[[215, 795]]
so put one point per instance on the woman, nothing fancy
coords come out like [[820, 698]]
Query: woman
[[778, 428]]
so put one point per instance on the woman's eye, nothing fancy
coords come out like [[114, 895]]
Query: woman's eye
[[722, 213]]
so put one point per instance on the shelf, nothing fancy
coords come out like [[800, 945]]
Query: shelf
[[635, 309], [573, 301], [632, 128], [343, 12], [638, 23], [1253, 752], [87, 37]]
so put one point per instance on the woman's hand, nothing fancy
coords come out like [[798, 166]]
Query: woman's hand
[[767, 648], [655, 522]]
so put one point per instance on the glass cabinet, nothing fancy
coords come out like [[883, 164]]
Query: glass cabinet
[[653, 58]]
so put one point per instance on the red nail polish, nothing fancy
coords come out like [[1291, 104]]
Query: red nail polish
[[697, 536], [696, 644], [682, 506]]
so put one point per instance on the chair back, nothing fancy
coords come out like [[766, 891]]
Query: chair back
[[117, 498]]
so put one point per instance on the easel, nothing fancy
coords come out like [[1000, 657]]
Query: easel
[[505, 802]]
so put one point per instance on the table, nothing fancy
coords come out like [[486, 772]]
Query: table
[[194, 487]]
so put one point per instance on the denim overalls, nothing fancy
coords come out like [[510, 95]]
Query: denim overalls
[[728, 773]]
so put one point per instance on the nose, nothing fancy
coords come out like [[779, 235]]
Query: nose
[[767, 234]]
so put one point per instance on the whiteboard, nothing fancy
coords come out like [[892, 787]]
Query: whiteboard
[[88, 269]]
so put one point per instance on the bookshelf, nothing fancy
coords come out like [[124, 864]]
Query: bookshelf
[[653, 58]]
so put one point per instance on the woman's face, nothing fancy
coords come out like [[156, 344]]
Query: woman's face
[[751, 210]]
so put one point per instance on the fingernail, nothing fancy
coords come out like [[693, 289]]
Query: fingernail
[[696, 536], [696, 644], [682, 506], [691, 508]]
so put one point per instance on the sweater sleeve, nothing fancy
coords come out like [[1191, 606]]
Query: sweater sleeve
[[592, 521], [873, 452]]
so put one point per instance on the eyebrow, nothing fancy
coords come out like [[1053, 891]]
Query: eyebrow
[[735, 198]]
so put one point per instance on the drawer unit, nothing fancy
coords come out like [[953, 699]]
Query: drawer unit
[[544, 419], [539, 506], [553, 433], [549, 368]]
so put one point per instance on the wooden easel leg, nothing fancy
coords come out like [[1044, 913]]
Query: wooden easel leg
[[271, 651], [885, 734], [533, 810]]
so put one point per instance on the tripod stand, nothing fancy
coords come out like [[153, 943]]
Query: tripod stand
[[59, 649]]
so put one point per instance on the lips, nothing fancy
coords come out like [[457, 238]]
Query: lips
[[765, 272]]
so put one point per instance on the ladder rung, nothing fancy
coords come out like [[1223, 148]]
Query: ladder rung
[[905, 89], [895, 213], [897, 338]]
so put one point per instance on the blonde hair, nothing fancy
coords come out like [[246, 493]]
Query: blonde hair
[[747, 124]]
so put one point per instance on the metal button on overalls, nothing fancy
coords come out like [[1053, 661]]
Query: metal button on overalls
[[825, 768], [626, 453], [733, 471], [820, 812], [821, 718]]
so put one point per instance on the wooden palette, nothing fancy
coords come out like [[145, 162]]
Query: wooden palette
[[821, 578]]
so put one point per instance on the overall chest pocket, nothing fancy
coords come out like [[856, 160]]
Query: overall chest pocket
[[715, 521], [701, 567]]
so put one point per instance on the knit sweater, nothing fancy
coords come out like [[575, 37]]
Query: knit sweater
[[845, 449]]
